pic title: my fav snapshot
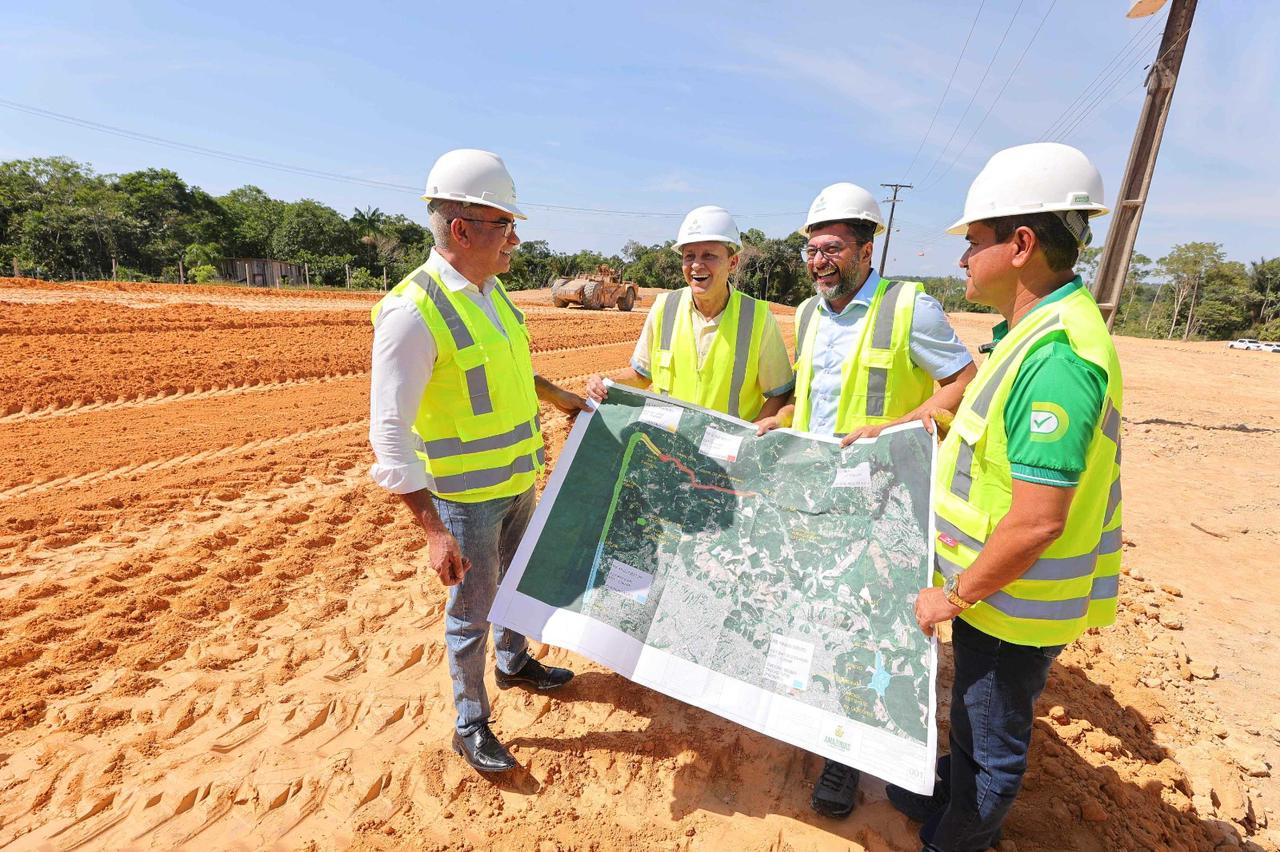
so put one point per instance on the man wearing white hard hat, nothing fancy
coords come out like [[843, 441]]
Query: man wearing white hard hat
[[709, 343], [1027, 493], [868, 354], [455, 429]]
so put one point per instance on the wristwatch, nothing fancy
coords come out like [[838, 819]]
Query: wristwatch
[[951, 588]]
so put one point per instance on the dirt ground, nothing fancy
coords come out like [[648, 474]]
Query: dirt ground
[[212, 633]]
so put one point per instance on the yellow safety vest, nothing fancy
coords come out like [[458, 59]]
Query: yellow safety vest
[[878, 380], [729, 378], [1073, 585], [478, 418]]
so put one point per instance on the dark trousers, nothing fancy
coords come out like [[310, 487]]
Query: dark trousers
[[992, 708]]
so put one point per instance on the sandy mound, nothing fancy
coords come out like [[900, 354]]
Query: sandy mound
[[212, 632]]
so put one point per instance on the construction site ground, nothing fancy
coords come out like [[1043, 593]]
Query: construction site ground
[[215, 633]]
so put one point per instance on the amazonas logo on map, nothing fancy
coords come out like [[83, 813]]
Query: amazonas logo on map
[[838, 738]]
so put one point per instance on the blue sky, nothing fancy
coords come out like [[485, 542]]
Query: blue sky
[[657, 107]]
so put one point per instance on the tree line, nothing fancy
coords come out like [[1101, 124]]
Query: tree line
[[61, 220]]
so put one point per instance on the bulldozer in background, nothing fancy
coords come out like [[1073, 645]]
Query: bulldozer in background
[[594, 291]]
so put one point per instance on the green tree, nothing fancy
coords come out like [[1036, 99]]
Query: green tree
[[772, 269], [1264, 278], [653, 265], [1185, 268], [252, 218], [1223, 311], [531, 266], [316, 234], [61, 220], [202, 254], [1087, 265]]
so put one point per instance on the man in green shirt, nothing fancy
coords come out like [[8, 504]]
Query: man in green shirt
[[1027, 495], [1053, 407]]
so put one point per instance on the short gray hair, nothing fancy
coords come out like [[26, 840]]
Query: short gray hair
[[440, 213]]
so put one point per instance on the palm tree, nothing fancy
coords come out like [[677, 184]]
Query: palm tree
[[368, 221]]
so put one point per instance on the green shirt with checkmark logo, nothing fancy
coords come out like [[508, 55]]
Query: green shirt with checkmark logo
[[1052, 408]]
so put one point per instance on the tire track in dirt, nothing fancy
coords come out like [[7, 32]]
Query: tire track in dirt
[[180, 396], [203, 456], [235, 647]]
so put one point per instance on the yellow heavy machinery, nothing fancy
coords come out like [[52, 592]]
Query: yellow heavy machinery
[[603, 288]]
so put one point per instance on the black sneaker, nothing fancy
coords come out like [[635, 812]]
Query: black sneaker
[[924, 808], [833, 794], [915, 806], [534, 675]]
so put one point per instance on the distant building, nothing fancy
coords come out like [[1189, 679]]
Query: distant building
[[260, 271]]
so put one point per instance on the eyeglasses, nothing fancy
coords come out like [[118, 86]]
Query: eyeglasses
[[507, 225], [831, 251]]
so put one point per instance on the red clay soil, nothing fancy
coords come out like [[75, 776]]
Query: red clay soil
[[213, 632]]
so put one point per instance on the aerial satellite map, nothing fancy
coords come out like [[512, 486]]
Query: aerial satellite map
[[769, 579]]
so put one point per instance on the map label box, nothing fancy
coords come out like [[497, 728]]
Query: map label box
[[721, 446], [628, 581], [858, 476], [789, 661], [661, 415]]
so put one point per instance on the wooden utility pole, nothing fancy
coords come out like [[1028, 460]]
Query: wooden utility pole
[[888, 230], [1113, 268]]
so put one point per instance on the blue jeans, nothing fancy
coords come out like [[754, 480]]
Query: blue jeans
[[487, 533], [992, 708]]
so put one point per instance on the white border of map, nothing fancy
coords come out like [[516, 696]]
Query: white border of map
[[884, 755]]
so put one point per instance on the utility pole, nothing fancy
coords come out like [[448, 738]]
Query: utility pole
[[888, 231], [1113, 268]]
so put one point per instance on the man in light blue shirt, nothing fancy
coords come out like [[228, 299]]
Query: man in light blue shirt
[[868, 354], [935, 348]]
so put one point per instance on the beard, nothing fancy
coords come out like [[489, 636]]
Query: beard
[[847, 285]]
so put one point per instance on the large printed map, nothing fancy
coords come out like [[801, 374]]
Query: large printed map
[[771, 580]]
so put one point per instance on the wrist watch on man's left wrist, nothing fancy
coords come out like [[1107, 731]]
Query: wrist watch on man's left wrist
[[951, 588]]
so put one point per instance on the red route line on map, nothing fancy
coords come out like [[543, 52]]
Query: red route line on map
[[693, 478]]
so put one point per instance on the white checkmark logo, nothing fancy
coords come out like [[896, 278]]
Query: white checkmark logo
[[1042, 423]]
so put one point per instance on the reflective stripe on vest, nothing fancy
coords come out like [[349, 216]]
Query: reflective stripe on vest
[[962, 479], [1074, 584], [477, 381], [478, 417], [743, 351], [894, 385]]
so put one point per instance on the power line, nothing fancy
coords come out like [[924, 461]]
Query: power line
[[945, 92], [1065, 133], [1013, 73], [976, 90], [1079, 99], [1116, 78], [305, 171]]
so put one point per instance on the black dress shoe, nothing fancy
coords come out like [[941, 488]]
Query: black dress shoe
[[833, 795], [535, 675], [483, 751]]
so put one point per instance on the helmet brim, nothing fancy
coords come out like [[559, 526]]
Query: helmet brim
[[961, 226], [484, 202], [811, 225]]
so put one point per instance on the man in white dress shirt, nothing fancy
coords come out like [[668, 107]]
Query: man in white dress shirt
[[454, 426]]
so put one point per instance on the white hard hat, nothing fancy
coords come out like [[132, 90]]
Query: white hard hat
[[708, 224], [473, 177], [1043, 177], [843, 201]]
